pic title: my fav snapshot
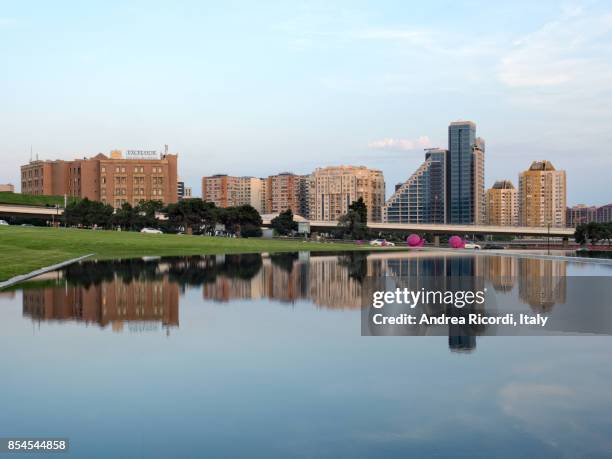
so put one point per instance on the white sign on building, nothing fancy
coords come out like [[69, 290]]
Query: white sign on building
[[141, 154]]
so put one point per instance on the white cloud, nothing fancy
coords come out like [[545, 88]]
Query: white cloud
[[390, 144], [573, 51]]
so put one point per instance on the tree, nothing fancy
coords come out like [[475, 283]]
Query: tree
[[580, 235], [88, 213], [360, 207], [145, 213], [186, 214], [350, 226], [284, 224], [242, 219], [594, 232], [125, 217]]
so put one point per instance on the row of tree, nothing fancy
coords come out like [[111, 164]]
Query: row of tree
[[188, 215], [593, 232], [196, 215]]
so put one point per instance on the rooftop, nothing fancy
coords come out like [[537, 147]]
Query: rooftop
[[542, 165], [503, 185]]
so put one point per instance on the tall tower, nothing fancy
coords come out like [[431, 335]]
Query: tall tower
[[465, 174], [542, 195]]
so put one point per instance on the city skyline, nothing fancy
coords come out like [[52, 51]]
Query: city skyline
[[256, 90]]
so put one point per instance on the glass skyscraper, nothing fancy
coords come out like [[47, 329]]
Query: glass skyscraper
[[465, 174]]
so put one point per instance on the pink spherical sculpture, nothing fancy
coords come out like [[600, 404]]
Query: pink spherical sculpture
[[455, 242], [414, 240]]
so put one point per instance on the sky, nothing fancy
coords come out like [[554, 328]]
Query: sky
[[256, 88]]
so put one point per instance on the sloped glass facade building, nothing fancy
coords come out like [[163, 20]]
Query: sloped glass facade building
[[421, 198]]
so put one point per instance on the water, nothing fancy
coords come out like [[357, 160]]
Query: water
[[257, 356]]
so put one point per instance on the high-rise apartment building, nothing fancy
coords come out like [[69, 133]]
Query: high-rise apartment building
[[221, 190], [542, 195], [139, 176], [421, 198], [465, 174], [333, 189], [229, 191], [286, 191], [502, 204], [250, 192]]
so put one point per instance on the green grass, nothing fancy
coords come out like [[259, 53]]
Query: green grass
[[6, 197], [25, 249]]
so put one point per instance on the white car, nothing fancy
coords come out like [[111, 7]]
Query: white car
[[3, 223], [151, 231], [471, 245], [381, 243]]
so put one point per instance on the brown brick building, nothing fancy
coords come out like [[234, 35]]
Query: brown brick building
[[114, 180]]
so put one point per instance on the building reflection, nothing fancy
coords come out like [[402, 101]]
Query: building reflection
[[144, 293], [141, 304], [542, 283]]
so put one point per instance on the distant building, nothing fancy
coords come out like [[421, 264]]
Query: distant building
[[7, 187], [184, 192], [229, 191], [579, 214], [502, 204], [137, 176], [604, 214], [250, 192], [286, 191], [333, 189], [542, 195], [421, 198], [465, 174]]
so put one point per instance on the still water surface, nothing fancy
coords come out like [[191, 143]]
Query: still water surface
[[262, 356]]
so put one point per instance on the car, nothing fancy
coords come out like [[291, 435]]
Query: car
[[471, 245], [381, 243], [3, 223], [493, 246], [151, 231]]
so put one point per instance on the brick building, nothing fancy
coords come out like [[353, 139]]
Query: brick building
[[116, 179]]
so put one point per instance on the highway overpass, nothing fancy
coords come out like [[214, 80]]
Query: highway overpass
[[15, 210], [322, 226], [432, 228]]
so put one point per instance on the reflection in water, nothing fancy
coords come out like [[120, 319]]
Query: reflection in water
[[287, 374], [144, 293], [139, 302]]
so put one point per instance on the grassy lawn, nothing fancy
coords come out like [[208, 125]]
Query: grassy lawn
[[24, 249], [6, 197]]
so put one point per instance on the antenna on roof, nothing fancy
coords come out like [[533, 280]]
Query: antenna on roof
[[30, 153]]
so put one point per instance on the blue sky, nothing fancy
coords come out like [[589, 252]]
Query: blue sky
[[254, 88]]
